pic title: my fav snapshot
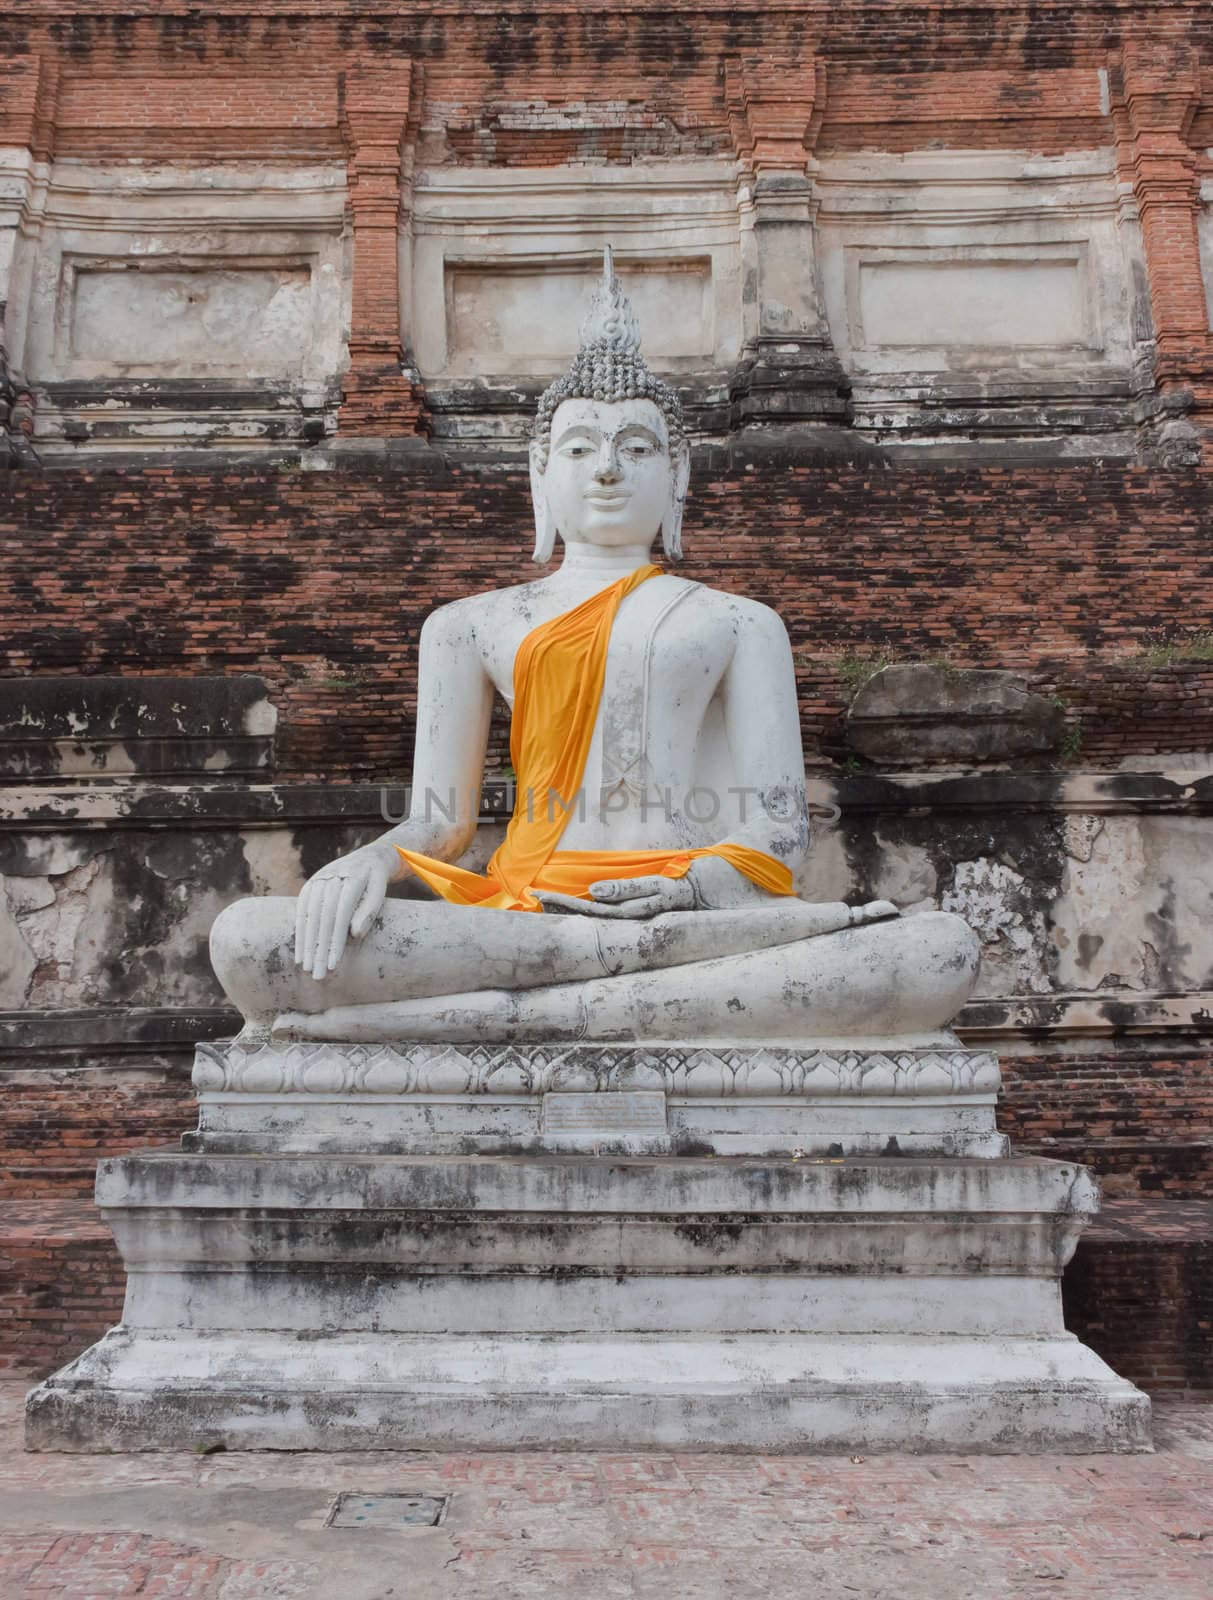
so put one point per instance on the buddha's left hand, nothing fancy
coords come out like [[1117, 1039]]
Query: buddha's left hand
[[626, 897], [641, 898], [709, 884]]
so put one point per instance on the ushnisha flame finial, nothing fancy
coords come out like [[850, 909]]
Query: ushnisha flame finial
[[608, 366], [610, 321]]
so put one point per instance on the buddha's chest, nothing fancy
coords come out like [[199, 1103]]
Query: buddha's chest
[[660, 681], [666, 662], [667, 651]]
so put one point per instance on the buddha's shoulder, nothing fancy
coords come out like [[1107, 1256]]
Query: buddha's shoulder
[[487, 610], [736, 609], [496, 608], [490, 603]]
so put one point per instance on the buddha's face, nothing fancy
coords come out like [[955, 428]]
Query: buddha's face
[[609, 478]]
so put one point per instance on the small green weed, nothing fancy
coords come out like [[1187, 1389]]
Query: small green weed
[[343, 680], [856, 670], [1177, 647]]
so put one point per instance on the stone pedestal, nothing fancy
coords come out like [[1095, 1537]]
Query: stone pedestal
[[844, 1099], [303, 1296]]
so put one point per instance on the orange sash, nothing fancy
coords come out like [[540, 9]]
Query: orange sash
[[558, 676]]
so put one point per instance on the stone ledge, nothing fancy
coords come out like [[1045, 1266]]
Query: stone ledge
[[213, 802], [60, 1251], [560, 1185], [98, 1029], [387, 1392], [1037, 1019], [86, 728]]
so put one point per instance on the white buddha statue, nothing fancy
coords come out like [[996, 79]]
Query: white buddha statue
[[644, 889]]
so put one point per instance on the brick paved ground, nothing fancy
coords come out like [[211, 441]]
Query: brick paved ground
[[594, 1527]]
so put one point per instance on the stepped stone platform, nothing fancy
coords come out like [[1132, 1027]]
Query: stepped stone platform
[[740, 1247], [344, 1302], [1137, 1289]]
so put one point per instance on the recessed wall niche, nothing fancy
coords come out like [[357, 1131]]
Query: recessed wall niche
[[504, 261], [182, 306], [979, 294], [517, 316], [192, 316]]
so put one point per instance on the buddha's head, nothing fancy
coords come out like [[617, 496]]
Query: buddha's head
[[609, 455]]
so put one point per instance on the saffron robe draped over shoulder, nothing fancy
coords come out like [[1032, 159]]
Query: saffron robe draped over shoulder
[[558, 677]]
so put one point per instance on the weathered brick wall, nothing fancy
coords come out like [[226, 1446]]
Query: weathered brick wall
[[551, 42], [61, 1283], [1140, 1292], [58, 1124], [320, 583], [552, 83], [1143, 1122]]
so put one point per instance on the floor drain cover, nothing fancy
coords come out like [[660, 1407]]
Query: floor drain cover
[[387, 1511]]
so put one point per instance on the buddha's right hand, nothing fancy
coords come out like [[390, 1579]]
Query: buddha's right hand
[[340, 902]]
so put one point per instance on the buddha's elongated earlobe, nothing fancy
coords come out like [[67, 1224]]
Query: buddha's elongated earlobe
[[671, 523], [671, 531], [545, 528]]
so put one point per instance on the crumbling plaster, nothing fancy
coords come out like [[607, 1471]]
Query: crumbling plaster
[[111, 904], [1077, 896], [1136, 905], [957, 279], [966, 292], [132, 279], [122, 916]]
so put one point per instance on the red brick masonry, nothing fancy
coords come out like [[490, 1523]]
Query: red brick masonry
[[1143, 1121], [53, 1133], [61, 1282], [320, 582]]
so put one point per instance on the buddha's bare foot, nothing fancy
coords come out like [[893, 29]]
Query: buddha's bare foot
[[254, 1033], [873, 911], [306, 1025]]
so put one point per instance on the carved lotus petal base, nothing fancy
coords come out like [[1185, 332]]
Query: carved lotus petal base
[[730, 1099], [694, 1070]]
